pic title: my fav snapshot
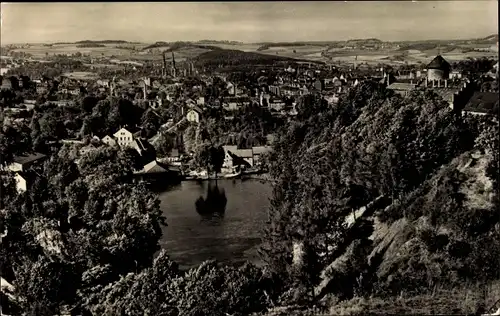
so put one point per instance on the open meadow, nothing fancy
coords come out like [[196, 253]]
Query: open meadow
[[410, 53]]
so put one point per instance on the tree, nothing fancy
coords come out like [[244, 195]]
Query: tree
[[43, 285], [51, 128], [150, 122], [164, 144], [88, 103], [189, 137], [211, 157], [335, 160], [146, 292], [78, 220]]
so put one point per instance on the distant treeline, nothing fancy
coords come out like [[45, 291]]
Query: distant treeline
[[219, 42], [88, 45], [103, 42], [266, 46], [269, 45], [492, 39], [223, 57], [178, 45], [364, 41]]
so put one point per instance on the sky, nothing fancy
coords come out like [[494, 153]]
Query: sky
[[247, 21]]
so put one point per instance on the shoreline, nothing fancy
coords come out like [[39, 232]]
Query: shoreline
[[264, 176]]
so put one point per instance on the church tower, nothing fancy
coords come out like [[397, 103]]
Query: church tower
[[174, 69], [164, 67]]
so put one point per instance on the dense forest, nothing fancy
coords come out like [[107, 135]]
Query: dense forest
[[236, 57], [416, 183], [380, 203], [89, 45]]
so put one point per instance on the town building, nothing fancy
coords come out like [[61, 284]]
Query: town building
[[482, 103], [235, 103], [23, 163], [402, 88], [264, 99], [438, 69], [200, 101], [276, 104], [110, 141], [258, 152], [124, 138], [235, 157], [319, 85], [231, 88], [194, 114], [24, 174], [276, 90], [158, 173]]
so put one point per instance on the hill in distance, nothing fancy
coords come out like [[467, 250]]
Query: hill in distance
[[236, 57], [103, 42]]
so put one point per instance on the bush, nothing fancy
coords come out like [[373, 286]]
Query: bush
[[212, 290]]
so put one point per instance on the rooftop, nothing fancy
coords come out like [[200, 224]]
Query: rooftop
[[28, 176], [242, 153], [155, 167], [401, 86], [483, 102], [446, 94], [28, 158], [258, 150], [196, 109], [439, 63]]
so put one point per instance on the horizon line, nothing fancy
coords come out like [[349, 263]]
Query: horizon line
[[243, 42]]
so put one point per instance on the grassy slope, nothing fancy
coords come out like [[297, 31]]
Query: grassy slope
[[458, 301]]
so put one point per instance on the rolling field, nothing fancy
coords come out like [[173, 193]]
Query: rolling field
[[411, 54], [39, 51], [81, 75], [242, 47]]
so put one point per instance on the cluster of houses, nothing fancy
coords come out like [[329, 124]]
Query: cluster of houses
[[25, 168], [461, 94], [246, 158], [279, 97]]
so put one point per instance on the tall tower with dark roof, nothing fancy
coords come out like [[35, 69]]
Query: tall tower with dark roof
[[438, 69]]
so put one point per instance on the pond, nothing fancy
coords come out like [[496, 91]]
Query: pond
[[225, 224]]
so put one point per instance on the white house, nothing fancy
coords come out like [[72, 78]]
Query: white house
[[193, 115], [276, 104], [22, 163], [264, 99], [23, 172], [230, 88], [455, 74], [234, 156], [200, 101], [21, 182], [258, 151], [108, 140], [103, 83], [29, 104], [234, 103], [124, 137]]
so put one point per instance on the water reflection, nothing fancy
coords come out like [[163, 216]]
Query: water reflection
[[232, 235], [212, 207]]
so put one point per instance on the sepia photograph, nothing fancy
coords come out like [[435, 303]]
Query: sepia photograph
[[265, 158]]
